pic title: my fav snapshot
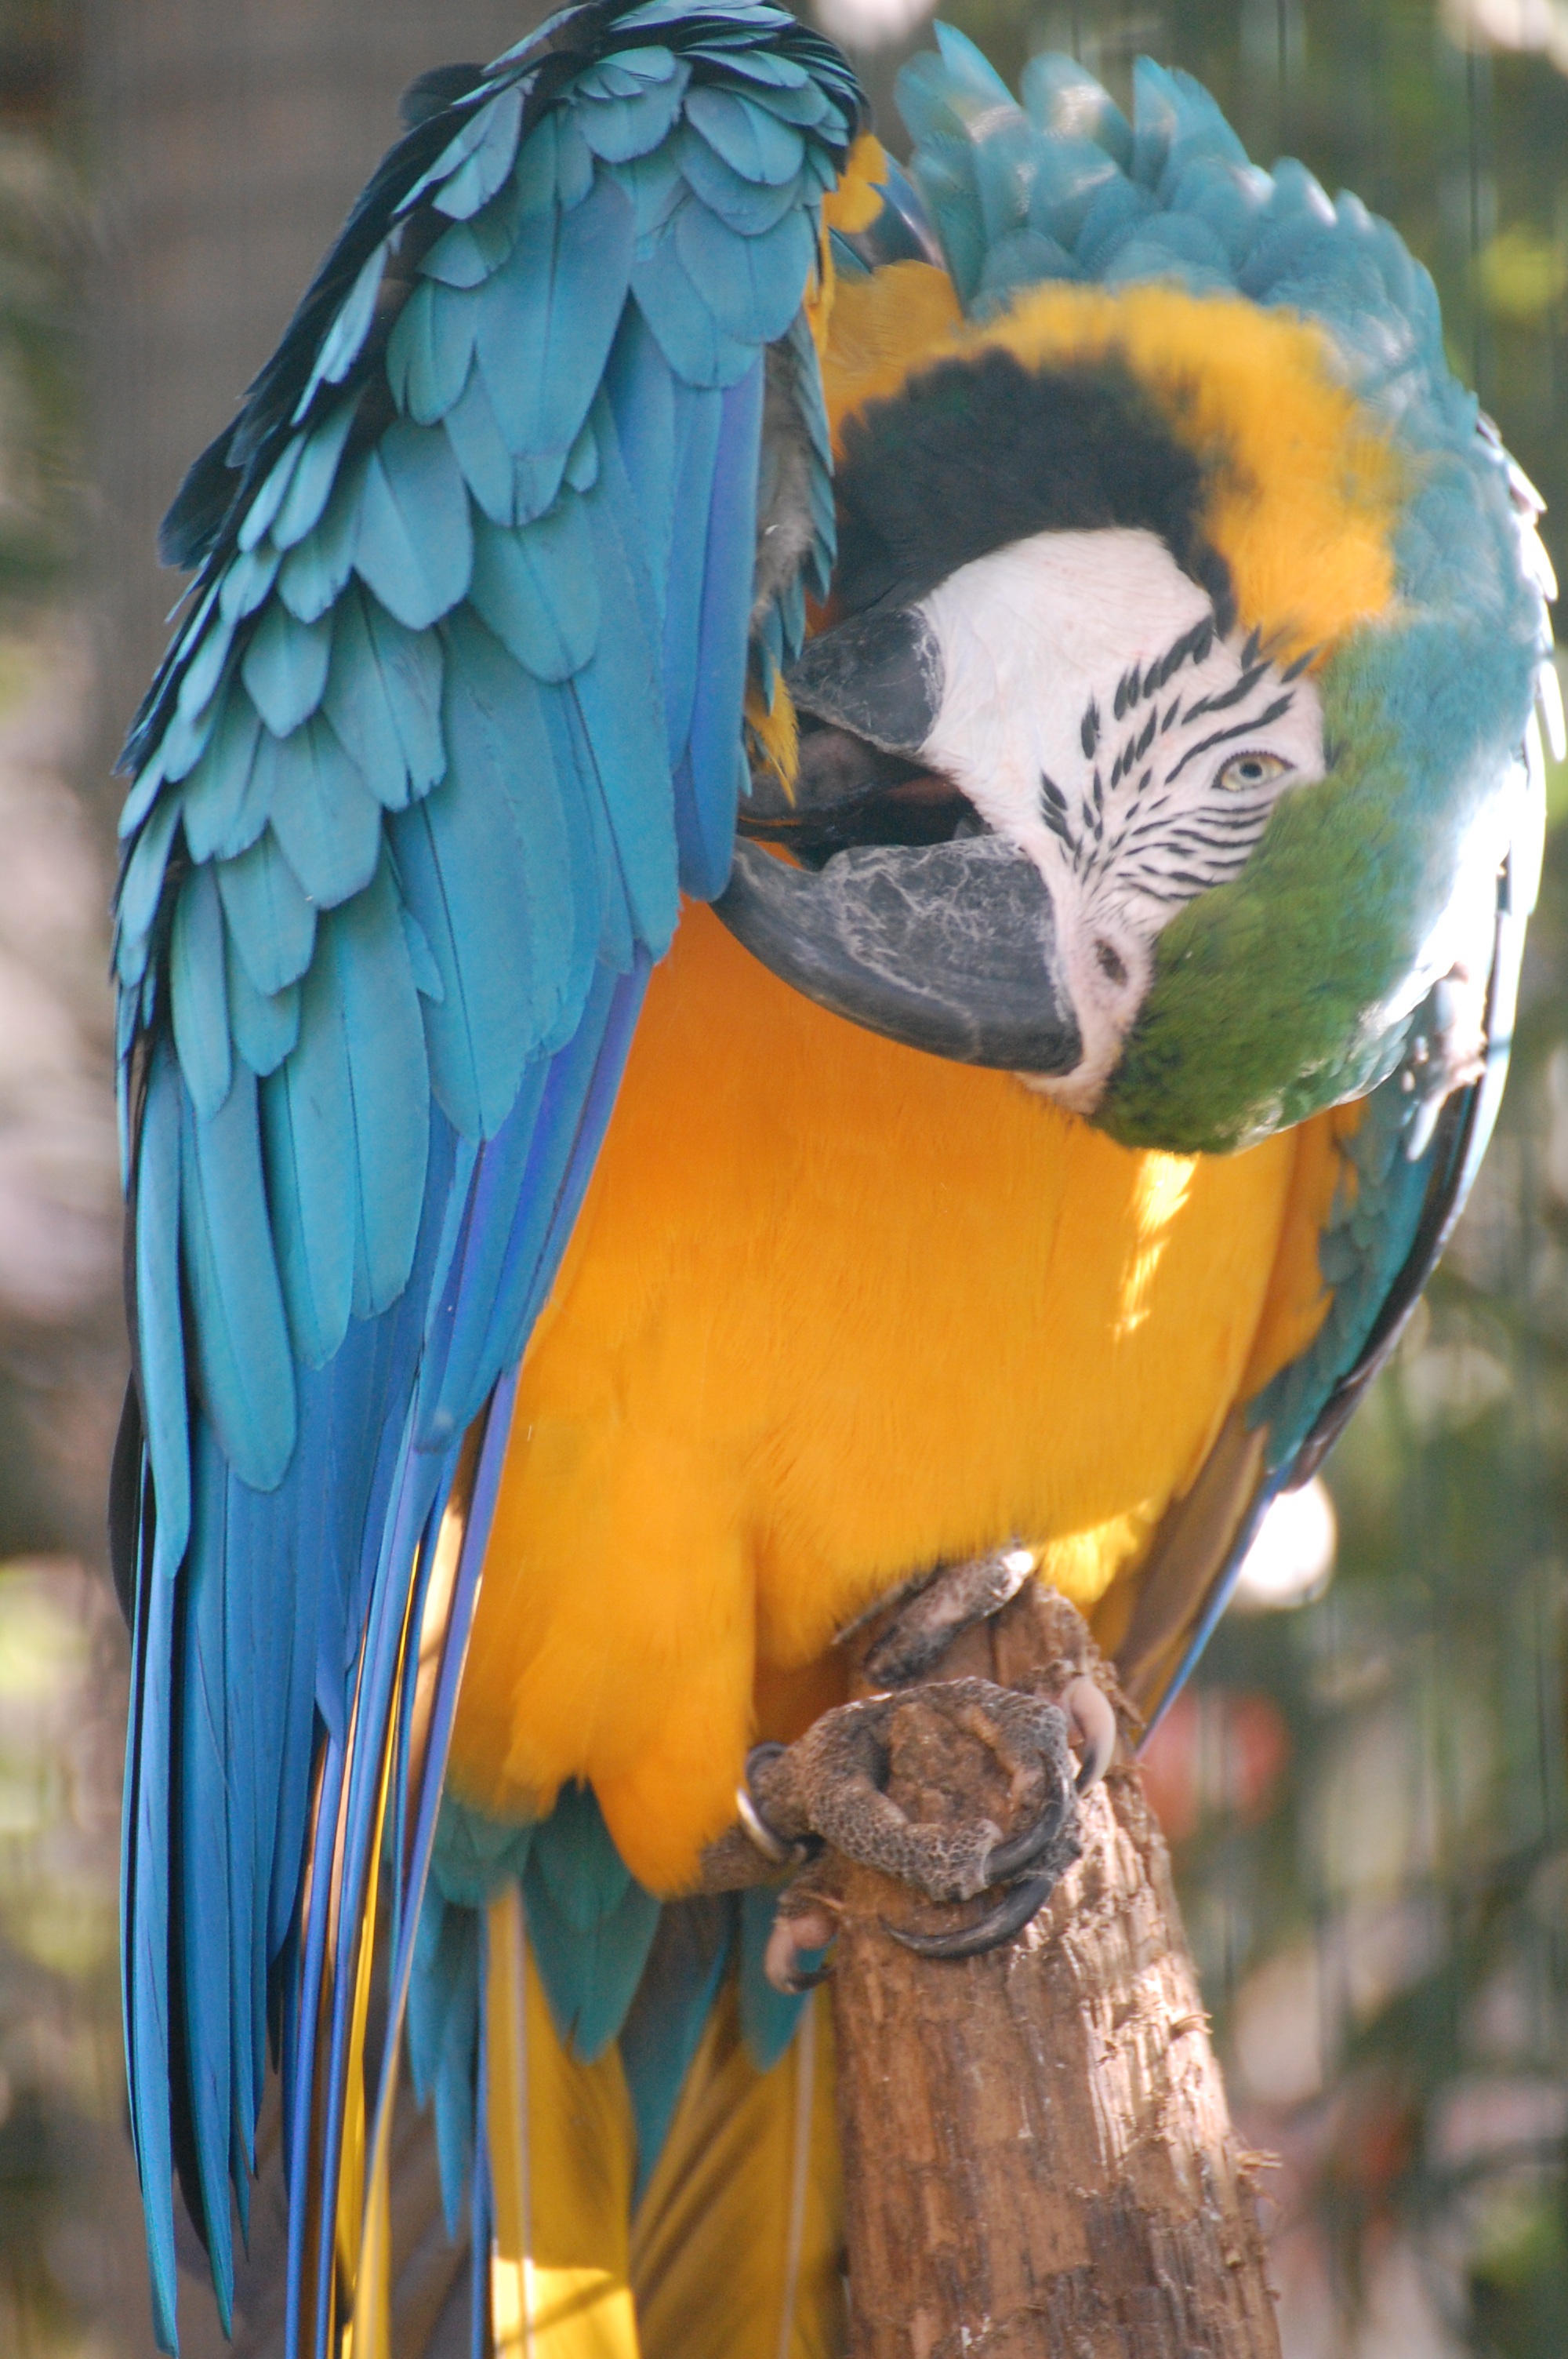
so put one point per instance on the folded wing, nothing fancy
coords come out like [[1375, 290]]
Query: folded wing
[[453, 719]]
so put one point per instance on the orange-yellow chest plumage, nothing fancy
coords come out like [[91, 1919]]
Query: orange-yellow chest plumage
[[834, 1312]]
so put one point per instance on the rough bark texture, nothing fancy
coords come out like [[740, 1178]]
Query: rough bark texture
[[1038, 2156]]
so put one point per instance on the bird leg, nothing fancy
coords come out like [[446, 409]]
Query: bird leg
[[827, 1789], [933, 1609], [830, 1783], [936, 1607]]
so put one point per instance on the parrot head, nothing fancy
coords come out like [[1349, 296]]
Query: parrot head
[[1162, 740]]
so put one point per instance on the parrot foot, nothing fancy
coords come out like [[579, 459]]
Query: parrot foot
[[937, 1607], [828, 1788], [805, 1922]]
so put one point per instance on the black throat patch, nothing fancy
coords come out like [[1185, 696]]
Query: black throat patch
[[980, 451]]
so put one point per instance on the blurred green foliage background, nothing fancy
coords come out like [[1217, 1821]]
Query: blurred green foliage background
[[1367, 1795]]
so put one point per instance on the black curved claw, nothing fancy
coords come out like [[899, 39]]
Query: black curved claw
[[997, 1927], [775, 1848], [1020, 1850]]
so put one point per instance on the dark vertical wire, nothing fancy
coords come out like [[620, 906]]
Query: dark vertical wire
[[1444, 1592], [1474, 69], [1536, 1629], [1230, 1822], [1325, 1933], [1543, 1628], [1381, 79], [1555, 318]]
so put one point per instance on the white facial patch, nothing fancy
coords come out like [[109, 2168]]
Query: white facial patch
[[1094, 716]]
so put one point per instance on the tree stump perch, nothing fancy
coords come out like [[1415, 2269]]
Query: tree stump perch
[[1038, 2156]]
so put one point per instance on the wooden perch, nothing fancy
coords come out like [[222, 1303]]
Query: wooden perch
[[1038, 2156]]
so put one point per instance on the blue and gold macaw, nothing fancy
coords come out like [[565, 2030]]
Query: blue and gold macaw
[[581, 1258]]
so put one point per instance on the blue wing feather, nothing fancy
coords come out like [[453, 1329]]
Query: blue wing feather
[[414, 543], [141, 888], [310, 1183], [313, 479], [324, 816], [693, 343], [468, 253], [710, 780], [206, 1974], [246, 583], [493, 143], [621, 127], [272, 922], [543, 340], [198, 993], [383, 697], [247, 1376], [205, 667], [456, 702], [508, 490], [462, 869], [312, 577], [377, 1007], [696, 428], [224, 806], [159, 1336], [144, 1936], [538, 591], [430, 351], [749, 136], [524, 1178]]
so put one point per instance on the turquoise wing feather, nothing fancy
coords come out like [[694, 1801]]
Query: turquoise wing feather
[[452, 718]]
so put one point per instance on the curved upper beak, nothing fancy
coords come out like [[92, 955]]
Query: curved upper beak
[[879, 676]]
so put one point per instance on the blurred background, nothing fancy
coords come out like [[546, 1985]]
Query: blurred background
[[1367, 1789]]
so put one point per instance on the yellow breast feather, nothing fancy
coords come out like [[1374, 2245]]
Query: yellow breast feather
[[834, 1310]]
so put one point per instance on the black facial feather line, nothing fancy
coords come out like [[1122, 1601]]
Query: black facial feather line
[[1243, 728], [1214, 842]]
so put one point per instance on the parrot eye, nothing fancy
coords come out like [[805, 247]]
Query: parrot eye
[[1244, 771]]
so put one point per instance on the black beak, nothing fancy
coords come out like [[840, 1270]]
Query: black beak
[[878, 675], [944, 940], [866, 694], [946, 946]]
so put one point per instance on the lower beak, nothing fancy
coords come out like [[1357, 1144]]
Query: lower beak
[[946, 946]]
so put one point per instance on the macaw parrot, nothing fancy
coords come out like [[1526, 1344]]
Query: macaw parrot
[[823, 894]]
